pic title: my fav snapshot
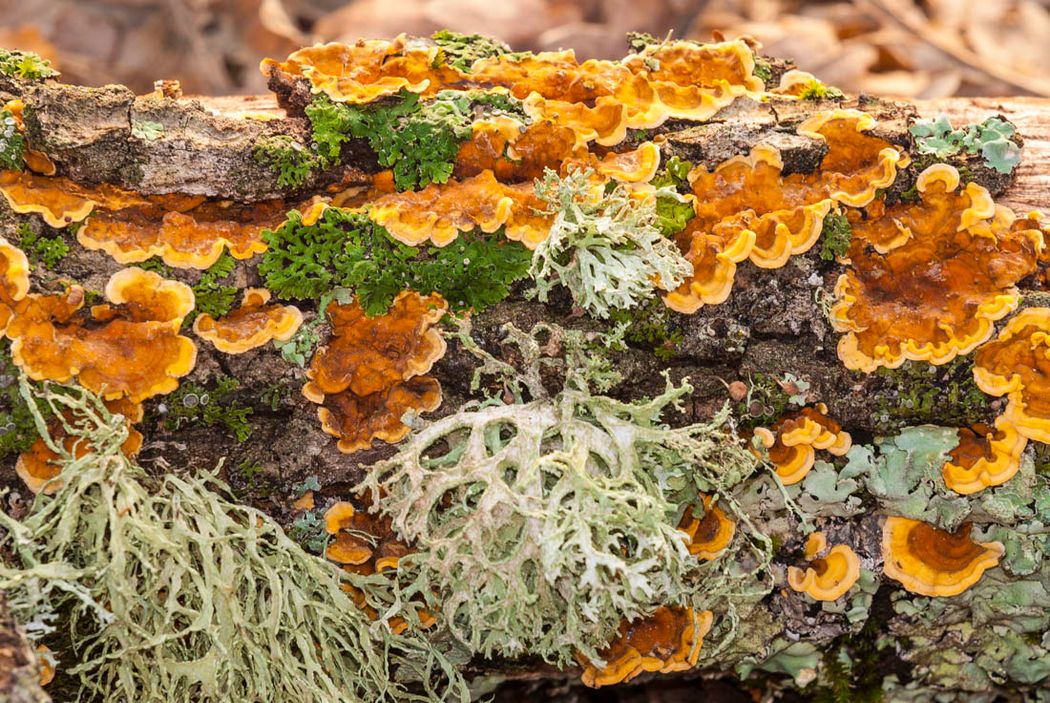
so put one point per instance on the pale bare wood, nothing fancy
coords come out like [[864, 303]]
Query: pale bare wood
[[1032, 117]]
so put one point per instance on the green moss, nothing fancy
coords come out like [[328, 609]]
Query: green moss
[[835, 237], [211, 405], [18, 431], [347, 250], [26, 65], [462, 50], [817, 90], [652, 326], [41, 250], [212, 296], [851, 669], [12, 143], [763, 70], [673, 212], [291, 161], [919, 392], [418, 140]]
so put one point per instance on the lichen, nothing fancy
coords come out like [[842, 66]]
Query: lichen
[[556, 509], [208, 405], [993, 139], [462, 50], [291, 161], [12, 143], [604, 248], [168, 592], [918, 392]]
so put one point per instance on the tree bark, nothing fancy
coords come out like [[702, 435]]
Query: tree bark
[[771, 325]]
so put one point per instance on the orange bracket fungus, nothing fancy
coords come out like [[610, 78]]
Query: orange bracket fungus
[[251, 325], [793, 439], [934, 562], [747, 209], [827, 577], [985, 457], [14, 269], [709, 535], [130, 348], [370, 373], [948, 271], [1017, 364], [39, 465], [666, 641]]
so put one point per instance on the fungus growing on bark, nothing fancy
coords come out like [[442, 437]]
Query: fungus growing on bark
[[986, 456], [369, 375], [827, 577], [439, 212], [513, 152], [14, 280], [666, 641], [252, 325], [130, 348], [181, 230], [793, 439], [708, 535], [58, 200], [934, 562], [746, 207], [45, 660], [1017, 364], [39, 465]]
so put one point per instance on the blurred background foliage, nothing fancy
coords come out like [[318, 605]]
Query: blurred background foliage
[[907, 48]]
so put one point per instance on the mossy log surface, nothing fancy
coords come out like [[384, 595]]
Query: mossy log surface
[[771, 325]]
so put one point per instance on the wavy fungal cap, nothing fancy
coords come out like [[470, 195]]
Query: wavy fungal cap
[[948, 272], [250, 326], [130, 348], [709, 535], [985, 457], [934, 562], [747, 209], [828, 577], [793, 440], [1017, 364], [666, 641]]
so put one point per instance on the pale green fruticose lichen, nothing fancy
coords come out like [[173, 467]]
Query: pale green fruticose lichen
[[169, 592], [541, 523], [607, 250]]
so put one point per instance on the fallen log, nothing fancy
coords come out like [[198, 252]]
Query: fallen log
[[943, 615]]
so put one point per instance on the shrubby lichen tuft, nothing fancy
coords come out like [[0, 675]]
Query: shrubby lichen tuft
[[554, 509], [604, 247]]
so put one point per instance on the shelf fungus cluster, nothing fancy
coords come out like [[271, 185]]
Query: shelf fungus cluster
[[830, 573], [373, 370], [792, 442], [934, 562]]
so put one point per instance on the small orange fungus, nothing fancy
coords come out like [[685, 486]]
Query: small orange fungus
[[666, 641], [708, 535], [948, 272], [934, 562], [439, 212], [827, 577], [14, 280], [129, 348], [45, 661], [370, 373], [984, 457], [793, 439], [251, 325], [747, 209], [1017, 364]]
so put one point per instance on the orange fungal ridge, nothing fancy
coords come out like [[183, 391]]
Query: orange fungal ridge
[[947, 271], [1017, 365], [666, 641], [934, 562], [985, 457], [252, 325], [598, 100], [708, 536], [130, 348], [747, 209], [830, 574], [371, 372], [793, 440]]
